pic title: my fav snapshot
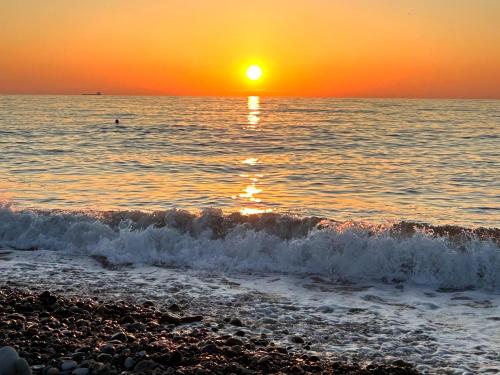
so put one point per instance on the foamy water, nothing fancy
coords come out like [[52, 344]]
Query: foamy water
[[342, 252]]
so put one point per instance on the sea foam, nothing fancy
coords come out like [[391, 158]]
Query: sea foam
[[345, 252]]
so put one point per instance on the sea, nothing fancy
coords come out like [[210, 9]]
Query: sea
[[371, 227]]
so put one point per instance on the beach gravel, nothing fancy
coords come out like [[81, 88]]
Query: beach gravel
[[58, 334]]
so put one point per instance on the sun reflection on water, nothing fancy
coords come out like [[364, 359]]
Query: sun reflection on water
[[250, 161], [254, 211], [253, 112], [251, 203]]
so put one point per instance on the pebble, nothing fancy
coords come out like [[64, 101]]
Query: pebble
[[104, 357], [233, 341], [127, 319], [236, 322], [175, 358], [297, 370], [138, 326], [211, 348], [47, 299], [120, 336], [78, 356], [8, 360], [145, 365], [11, 364], [264, 360], [81, 371], [68, 365], [23, 368], [129, 362], [174, 307], [108, 348], [56, 331], [297, 339]]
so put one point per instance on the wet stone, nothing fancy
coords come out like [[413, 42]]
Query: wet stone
[[127, 319], [175, 358], [264, 360], [129, 362], [79, 347], [233, 341], [174, 307], [104, 357], [81, 371], [108, 348], [211, 348], [68, 365], [296, 339], [8, 360], [78, 356], [120, 336], [236, 322], [47, 299]]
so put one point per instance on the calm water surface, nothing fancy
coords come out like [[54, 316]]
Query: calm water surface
[[428, 160]]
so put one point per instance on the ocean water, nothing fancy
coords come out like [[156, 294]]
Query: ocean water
[[301, 212], [435, 161]]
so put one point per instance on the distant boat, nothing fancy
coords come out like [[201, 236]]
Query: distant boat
[[97, 93]]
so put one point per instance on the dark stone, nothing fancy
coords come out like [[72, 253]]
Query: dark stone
[[233, 341], [108, 348], [264, 360], [146, 365], [120, 336], [297, 339], [47, 299], [174, 307], [57, 334], [210, 348], [175, 358], [127, 319], [236, 322], [78, 356], [296, 370], [104, 357]]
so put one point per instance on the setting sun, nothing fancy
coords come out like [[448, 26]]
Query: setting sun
[[254, 72]]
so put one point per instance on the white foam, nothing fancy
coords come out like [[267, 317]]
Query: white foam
[[352, 255]]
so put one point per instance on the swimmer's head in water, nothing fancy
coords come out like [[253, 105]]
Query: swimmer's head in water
[[117, 121]]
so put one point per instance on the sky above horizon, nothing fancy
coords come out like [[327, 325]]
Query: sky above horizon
[[358, 48]]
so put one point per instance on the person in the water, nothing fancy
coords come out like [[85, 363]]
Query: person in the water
[[117, 121]]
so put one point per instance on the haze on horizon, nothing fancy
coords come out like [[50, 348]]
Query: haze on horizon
[[360, 48]]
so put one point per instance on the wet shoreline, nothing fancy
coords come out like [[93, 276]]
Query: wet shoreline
[[53, 331]]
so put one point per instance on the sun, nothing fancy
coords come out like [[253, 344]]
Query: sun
[[254, 72]]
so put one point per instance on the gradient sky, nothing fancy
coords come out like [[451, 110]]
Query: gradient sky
[[365, 48]]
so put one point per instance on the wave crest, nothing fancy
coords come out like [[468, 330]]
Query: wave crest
[[446, 256]]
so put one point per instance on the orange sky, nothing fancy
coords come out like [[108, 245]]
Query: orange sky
[[381, 48]]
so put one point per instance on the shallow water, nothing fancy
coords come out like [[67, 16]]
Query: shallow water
[[441, 332], [434, 161]]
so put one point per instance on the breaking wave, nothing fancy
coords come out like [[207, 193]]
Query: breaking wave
[[445, 256]]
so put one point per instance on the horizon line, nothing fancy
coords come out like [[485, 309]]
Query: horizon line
[[261, 95]]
